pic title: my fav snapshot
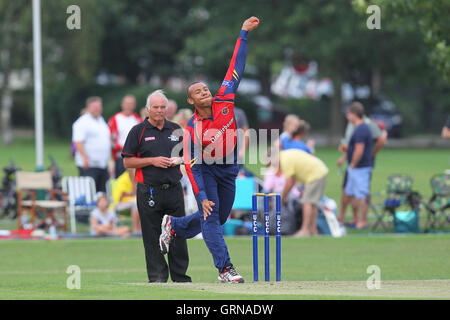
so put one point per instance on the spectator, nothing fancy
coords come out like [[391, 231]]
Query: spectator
[[92, 139], [383, 136], [183, 116], [379, 135], [119, 125], [103, 220], [360, 155], [190, 204], [242, 138], [295, 140], [172, 108], [124, 197], [446, 129], [300, 166], [73, 148], [274, 180], [143, 113], [289, 124]]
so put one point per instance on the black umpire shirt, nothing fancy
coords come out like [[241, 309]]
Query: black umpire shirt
[[144, 140]]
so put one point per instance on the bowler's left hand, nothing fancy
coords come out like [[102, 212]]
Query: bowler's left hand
[[207, 208]]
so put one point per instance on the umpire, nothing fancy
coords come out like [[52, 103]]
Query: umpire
[[148, 148]]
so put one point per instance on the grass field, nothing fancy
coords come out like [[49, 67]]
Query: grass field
[[412, 267], [421, 164]]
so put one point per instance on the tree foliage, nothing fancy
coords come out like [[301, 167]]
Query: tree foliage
[[143, 37], [137, 39], [14, 52], [431, 18], [333, 33]]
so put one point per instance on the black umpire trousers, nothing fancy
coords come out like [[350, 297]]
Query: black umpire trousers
[[167, 201]]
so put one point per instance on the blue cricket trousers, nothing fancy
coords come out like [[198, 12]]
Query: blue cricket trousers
[[220, 187]]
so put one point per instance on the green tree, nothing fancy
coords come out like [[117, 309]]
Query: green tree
[[336, 35], [144, 36], [419, 64], [15, 22], [72, 55], [71, 59], [333, 33], [210, 50], [431, 18], [329, 32]]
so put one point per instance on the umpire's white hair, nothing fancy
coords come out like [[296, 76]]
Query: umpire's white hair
[[156, 92]]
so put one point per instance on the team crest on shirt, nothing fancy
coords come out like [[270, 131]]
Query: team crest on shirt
[[227, 84], [173, 137], [225, 111]]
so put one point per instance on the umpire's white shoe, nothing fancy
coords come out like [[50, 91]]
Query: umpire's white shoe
[[229, 274], [166, 234]]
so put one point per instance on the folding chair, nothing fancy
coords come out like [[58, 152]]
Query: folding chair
[[109, 187], [29, 183], [438, 207], [398, 189], [81, 195], [245, 188], [242, 206], [376, 202]]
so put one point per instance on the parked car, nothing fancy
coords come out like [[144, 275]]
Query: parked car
[[386, 112]]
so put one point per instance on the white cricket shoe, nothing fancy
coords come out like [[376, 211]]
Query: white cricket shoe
[[167, 234], [229, 274]]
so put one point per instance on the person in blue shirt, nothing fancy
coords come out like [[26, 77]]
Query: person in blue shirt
[[296, 140], [360, 162], [446, 129]]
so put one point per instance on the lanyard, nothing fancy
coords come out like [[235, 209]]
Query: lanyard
[[151, 202]]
